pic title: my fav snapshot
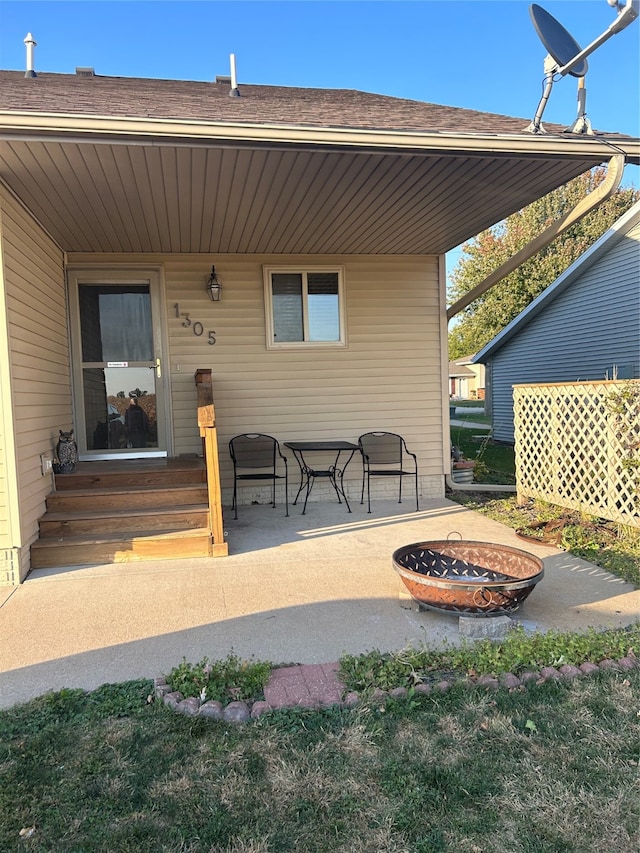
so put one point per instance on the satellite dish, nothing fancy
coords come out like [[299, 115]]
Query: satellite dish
[[559, 43], [566, 57]]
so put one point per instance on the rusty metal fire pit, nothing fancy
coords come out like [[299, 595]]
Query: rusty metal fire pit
[[467, 578]]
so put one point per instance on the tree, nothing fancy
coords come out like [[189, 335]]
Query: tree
[[485, 317]]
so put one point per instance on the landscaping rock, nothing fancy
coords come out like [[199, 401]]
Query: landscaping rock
[[398, 693], [379, 695], [161, 690], [529, 676], [189, 707], [589, 668], [442, 686], [569, 671], [236, 712], [549, 673], [607, 663], [510, 681], [628, 663], [423, 688], [259, 708], [172, 699], [488, 681], [310, 702], [212, 710], [351, 699]]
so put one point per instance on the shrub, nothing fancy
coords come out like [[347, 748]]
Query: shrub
[[225, 680], [518, 652]]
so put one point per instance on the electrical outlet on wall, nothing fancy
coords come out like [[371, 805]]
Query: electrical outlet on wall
[[46, 462]]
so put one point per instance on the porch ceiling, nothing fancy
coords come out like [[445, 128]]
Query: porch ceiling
[[101, 196]]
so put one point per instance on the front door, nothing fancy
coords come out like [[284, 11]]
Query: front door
[[116, 337]]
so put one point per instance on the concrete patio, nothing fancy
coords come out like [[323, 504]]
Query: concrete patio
[[300, 589]]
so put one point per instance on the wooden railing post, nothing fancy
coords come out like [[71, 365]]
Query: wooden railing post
[[209, 434]]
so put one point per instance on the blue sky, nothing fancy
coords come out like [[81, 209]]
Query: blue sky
[[478, 54]]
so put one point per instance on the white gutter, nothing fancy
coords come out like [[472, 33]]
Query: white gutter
[[65, 127]]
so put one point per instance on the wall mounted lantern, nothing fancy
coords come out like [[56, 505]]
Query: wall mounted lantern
[[214, 286]]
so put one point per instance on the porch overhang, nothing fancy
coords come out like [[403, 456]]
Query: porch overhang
[[144, 185]]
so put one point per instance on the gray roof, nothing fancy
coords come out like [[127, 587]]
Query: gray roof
[[459, 370], [181, 99]]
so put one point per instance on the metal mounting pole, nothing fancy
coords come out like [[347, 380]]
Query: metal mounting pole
[[550, 67], [582, 123]]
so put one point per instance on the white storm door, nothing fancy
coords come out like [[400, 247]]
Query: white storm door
[[117, 347]]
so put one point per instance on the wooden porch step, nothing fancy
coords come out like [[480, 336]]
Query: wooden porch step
[[116, 548], [129, 520], [72, 500], [133, 474], [127, 511]]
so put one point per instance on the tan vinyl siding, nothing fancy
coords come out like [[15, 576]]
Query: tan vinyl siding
[[4, 497], [6, 423], [40, 390], [386, 378]]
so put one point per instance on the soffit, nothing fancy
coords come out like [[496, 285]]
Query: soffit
[[112, 164], [161, 196]]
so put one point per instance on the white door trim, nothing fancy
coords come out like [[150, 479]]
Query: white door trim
[[119, 274]]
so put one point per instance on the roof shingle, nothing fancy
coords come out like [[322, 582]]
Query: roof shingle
[[203, 101]]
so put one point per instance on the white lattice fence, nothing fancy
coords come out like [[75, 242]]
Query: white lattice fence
[[577, 445]]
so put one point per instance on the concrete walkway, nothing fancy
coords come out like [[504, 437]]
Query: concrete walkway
[[468, 410], [470, 425], [303, 589]]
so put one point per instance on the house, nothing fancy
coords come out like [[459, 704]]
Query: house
[[326, 215], [466, 379], [460, 378], [584, 326]]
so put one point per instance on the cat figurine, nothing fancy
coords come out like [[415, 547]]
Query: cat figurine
[[67, 452]]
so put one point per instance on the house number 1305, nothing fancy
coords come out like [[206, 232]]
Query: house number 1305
[[196, 326]]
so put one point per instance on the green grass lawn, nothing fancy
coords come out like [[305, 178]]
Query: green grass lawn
[[474, 415], [547, 768], [498, 460], [553, 767]]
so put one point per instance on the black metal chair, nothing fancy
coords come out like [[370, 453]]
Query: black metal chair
[[385, 454], [255, 457]]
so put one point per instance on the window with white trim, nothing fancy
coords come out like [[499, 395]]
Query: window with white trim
[[305, 307]]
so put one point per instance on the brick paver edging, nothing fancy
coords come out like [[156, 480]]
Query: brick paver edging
[[318, 686]]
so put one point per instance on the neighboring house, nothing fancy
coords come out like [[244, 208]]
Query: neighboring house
[[466, 379], [586, 325], [327, 215], [460, 378]]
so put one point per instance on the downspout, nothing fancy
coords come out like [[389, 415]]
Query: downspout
[[610, 184]]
